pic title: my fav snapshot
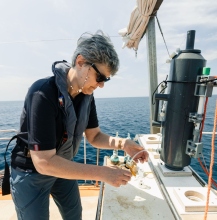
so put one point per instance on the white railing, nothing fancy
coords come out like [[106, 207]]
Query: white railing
[[7, 131], [16, 131]]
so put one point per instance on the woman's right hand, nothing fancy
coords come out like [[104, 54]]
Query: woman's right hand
[[115, 176]]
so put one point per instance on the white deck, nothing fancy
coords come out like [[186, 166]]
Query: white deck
[[135, 202], [172, 183], [146, 201]]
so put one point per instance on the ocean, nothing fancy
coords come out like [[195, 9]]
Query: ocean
[[122, 115]]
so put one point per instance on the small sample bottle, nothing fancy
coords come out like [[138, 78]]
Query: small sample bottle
[[114, 158]]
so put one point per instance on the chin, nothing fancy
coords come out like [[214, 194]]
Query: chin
[[89, 92]]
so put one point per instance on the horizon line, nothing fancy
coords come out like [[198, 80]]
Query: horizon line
[[94, 97]]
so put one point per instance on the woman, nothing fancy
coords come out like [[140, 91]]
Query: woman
[[56, 112]]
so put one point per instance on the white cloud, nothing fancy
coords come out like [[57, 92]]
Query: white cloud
[[15, 88], [5, 67], [210, 54], [65, 19]]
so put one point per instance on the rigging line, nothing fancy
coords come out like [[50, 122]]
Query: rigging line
[[165, 86], [204, 162], [171, 81], [202, 82], [206, 172], [35, 41], [153, 103], [162, 35], [204, 117], [201, 130], [211, 164]]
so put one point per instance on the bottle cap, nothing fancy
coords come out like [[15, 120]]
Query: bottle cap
[[206, 70]]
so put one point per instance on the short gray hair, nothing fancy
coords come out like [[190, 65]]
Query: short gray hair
[[97, 48]]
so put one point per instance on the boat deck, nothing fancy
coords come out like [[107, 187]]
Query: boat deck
[[157, 193], [89, 200]]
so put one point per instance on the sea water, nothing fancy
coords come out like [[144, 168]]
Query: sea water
[[122, 115]]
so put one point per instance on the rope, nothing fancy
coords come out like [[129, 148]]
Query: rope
[[43, 40], [173, 81], [201, 130], [204, 116], [35, 41], [164, 85], [211, 164], [162, 35], [207, 173]]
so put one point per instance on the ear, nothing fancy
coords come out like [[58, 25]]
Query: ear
[[79, 61]]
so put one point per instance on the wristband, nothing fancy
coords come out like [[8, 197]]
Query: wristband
[[119, 144]]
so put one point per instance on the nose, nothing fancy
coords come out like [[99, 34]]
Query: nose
[[101, 84]]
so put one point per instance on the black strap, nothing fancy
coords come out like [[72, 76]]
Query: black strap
[[6, 179]]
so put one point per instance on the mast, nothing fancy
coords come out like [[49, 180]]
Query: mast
[[152, 68]]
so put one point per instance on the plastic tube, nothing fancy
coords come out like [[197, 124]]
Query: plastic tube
[[137, 154]]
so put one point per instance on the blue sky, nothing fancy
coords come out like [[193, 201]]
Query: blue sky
[[46, 22]]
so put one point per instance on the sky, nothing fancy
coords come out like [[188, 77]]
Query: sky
[[34, 34]]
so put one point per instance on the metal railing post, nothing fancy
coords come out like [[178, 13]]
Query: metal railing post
[[85, 152]]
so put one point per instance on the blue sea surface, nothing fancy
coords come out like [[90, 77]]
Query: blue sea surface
[[122, 115]]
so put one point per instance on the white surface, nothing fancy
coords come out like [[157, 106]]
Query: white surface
[[171, 182], [141, 199], [166, 172], [152, 139], [199, 194]]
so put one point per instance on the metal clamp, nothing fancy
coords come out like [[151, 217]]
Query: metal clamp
[[194, 149]]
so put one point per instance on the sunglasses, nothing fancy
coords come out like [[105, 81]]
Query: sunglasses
[[100, 77]]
